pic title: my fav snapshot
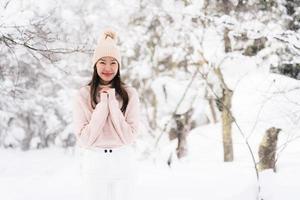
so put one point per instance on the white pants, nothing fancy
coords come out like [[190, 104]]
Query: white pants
[[108, 173]]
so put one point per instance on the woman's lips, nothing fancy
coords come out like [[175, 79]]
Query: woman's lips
[[107, 74]]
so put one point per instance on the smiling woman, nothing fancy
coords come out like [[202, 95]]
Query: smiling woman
[[106, 123], [107, 68]]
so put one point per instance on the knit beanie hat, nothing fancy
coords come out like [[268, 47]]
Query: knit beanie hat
[[107, 46]]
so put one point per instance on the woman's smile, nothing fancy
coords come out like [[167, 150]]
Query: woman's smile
[[107, 74]]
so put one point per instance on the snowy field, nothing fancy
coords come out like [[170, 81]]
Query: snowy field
[[54, 174]]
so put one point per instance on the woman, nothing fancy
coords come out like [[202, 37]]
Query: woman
[[106, 121]]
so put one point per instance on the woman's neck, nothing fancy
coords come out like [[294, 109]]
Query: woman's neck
[[105, 85]]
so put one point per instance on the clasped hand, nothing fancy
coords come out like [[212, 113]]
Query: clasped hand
[[104, 89]]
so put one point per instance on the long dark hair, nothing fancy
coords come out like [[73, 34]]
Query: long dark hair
[[116, 83]]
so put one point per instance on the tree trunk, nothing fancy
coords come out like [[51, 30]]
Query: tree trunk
[[267, 149], [227, 123], [227, 42], [183, 125], [212, 109], [227, 118], [211, 103]]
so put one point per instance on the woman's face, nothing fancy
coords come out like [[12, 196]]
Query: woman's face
[[107, 68]]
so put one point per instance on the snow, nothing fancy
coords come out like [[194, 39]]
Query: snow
[[273, 100], [174, 89], [53, 173]]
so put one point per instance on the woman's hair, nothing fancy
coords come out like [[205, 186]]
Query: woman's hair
[[116, 83]]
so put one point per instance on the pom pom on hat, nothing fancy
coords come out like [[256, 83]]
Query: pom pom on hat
[[107, 46], [109, 34]]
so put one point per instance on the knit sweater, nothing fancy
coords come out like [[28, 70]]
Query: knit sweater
[[106, 125]]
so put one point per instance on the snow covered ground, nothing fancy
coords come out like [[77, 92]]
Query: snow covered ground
[[54, 173]]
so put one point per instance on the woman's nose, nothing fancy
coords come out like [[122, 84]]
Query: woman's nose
[[107, 67]]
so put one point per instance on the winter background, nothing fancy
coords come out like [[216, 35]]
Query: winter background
[[172, 52]]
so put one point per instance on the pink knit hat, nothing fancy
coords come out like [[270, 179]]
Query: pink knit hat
[[107, 46]]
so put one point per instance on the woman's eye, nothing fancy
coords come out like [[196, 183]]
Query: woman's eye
[[102, 63], [113, 63]]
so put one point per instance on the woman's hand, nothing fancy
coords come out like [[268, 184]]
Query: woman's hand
[[104, 89]]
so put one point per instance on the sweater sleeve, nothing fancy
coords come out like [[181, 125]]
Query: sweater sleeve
[[86, 130], [126, 126]]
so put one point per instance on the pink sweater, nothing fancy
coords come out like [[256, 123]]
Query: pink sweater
[[105, 126]]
